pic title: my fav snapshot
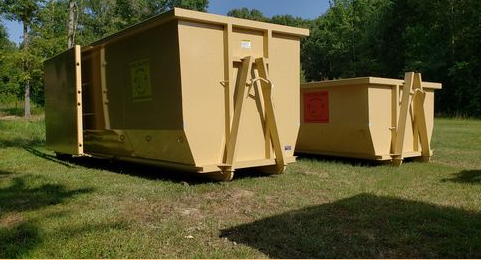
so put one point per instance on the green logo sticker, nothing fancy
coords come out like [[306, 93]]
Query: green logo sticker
[[140, 80]]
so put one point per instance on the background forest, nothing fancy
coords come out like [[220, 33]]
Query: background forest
[[439, 38]]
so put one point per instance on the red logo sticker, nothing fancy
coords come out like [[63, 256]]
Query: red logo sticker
[[316, 107]]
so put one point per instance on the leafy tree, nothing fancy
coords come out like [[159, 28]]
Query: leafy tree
[[345, 41], [72, 22], [197, 5], [439, 38], [9, 72], [99, 18], [24, 11], [290, 20], [251, 14]]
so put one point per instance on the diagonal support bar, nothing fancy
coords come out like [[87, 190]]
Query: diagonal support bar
[[419, 118], [412, 86], [266, 87], [403, 115], [241, 96]]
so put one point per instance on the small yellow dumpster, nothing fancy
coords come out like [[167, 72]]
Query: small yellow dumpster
[[185, 89], [368, 118]]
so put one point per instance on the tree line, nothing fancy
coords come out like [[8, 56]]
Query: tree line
[[354, 38]]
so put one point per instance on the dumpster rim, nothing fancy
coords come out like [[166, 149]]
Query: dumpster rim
[[365, 81], [196, 16]]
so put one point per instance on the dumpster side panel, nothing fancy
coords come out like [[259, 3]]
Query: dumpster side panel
[[202, 52], [92, 95], [202, 69], [380, 123], [143, 80], [144, 100], [63, 104], [284, 58], [348, 126]]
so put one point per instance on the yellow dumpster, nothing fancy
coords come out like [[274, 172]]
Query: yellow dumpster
[[368, 118], [187, 90]]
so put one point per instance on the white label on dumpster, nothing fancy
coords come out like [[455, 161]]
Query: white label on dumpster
[[246, 44]]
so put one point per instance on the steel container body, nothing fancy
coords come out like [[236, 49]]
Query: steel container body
[[363, 117], [188, 90]]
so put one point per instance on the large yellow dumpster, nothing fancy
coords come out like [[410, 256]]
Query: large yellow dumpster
[[368, 118], [185, 89]]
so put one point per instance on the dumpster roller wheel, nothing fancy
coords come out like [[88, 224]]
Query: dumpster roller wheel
[[226, 175], [396, 162], [273, 170]]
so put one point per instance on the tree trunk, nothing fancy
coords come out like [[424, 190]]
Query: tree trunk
[[25, 68], [72, 23]]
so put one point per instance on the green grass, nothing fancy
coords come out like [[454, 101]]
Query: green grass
[[321, 208]]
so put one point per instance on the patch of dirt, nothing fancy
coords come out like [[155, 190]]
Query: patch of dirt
[[142, 211], [309, 171], [240, 193], [228, 203], [10, 220], [189, 212], [32, 118]]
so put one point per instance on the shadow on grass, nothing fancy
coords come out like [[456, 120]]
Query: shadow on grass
[[22, 142], [46, 156], [469, 176], [342, 160], [365, 226], [349, 161], [140, 170], [18, 240], [18, 237], [20, 196]]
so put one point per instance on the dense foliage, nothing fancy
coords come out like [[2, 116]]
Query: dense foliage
[[46, 30], [439, 38]]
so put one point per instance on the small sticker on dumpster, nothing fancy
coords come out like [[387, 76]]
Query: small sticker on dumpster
[[246, 44], [140, 80], [316, 107]]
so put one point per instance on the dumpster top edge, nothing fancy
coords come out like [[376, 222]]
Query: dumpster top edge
[[132, 30], [183, 14], [366, 81], [238, 22]]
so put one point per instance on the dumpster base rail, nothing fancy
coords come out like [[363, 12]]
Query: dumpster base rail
[[215, 172]]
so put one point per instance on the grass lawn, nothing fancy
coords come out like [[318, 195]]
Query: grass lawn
[[321, 208]]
